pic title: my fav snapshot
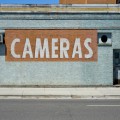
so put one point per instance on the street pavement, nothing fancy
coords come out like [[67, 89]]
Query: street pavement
[[39, 109]]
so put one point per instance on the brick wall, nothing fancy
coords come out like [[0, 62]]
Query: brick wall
[[87, 2]]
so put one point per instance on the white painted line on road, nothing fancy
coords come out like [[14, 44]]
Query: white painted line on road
[[103, 105]]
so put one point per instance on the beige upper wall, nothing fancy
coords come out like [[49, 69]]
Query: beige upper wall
[[87, 1]]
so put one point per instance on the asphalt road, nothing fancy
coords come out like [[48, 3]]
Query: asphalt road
[[59, 109]]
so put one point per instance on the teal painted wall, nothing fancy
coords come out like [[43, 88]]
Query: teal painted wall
[[61, 73]]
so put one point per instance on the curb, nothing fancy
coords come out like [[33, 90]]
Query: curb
[[60, 93], [56, 97]]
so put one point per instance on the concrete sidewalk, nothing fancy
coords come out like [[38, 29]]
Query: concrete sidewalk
[[62, 93]]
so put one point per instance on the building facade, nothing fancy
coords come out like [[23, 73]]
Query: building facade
[[101, 23]]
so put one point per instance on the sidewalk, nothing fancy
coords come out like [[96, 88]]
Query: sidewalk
[[61, 93]]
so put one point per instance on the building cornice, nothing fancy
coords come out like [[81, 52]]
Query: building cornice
[[74, 8]]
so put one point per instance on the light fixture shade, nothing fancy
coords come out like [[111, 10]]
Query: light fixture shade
[[104, 39]]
